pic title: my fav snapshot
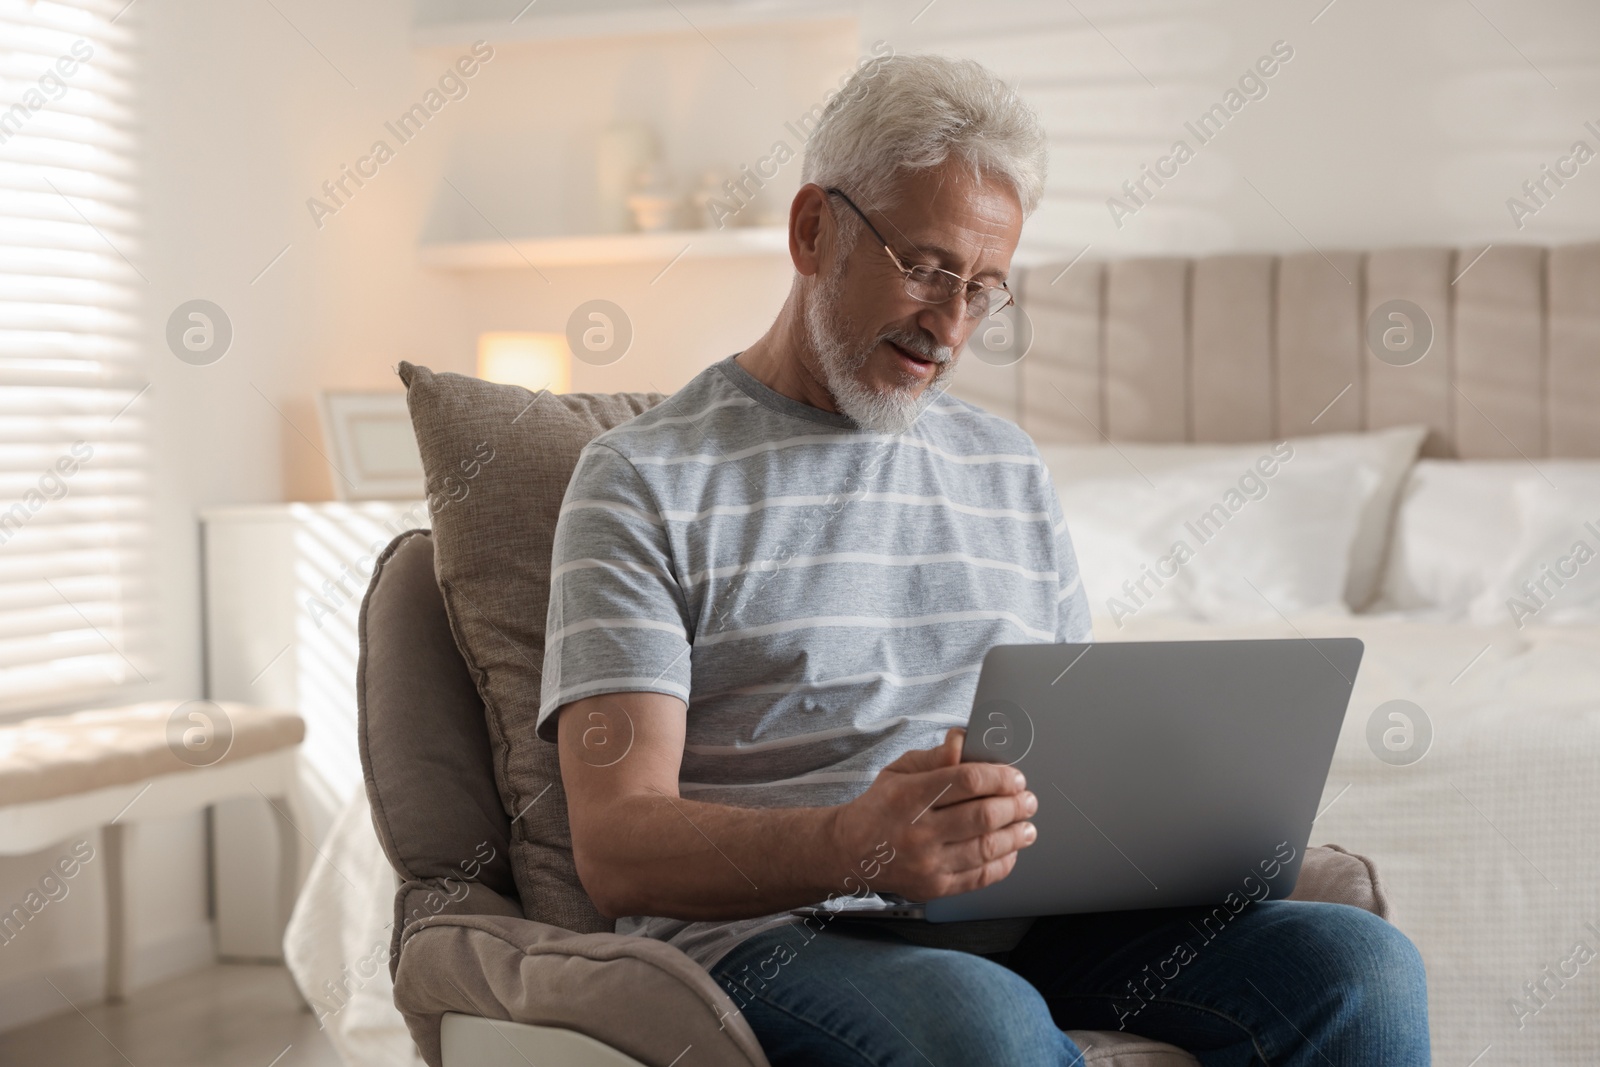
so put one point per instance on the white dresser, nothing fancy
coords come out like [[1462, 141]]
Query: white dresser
[[283, 585]]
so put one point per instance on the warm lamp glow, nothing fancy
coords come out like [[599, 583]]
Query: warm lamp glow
[[534, 361]]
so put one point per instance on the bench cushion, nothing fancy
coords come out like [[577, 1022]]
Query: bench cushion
[[64, 755]]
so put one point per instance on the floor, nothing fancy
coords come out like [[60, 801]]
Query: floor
[[230, 1015]]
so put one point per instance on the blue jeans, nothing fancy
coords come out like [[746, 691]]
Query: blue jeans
[[1290, 983]]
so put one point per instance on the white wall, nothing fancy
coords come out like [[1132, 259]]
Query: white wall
[[1389, 126], [245, 120], [1393, 124]]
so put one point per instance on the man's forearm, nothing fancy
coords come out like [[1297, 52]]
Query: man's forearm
[[684, 859]]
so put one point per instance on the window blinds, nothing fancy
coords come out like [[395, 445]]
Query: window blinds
[[73, 519]]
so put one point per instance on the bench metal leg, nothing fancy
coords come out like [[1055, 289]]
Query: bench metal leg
[[112, 850]]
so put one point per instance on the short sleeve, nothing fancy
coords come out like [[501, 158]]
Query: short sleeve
[[617, 619], [1073, 624]]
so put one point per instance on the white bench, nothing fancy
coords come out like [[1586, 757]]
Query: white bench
[[65, 775]]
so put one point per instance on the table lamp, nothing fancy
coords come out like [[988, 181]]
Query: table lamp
[[534, 361]]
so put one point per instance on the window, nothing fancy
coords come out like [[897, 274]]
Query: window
[[73, 518]]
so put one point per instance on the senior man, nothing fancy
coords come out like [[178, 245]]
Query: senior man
[[773, 592]]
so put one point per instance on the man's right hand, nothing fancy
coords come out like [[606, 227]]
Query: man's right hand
[[954, 826]]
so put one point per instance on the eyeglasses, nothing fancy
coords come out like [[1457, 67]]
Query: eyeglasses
[[935, 285]]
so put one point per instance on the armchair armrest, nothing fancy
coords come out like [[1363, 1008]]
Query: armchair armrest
[[640, 996], [1332, 875]]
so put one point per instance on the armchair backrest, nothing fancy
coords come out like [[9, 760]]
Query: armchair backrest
[[423, 737]]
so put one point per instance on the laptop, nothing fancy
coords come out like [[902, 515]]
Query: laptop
[[1169, 773]]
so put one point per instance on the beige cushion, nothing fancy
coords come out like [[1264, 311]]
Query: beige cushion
[[497, 463], [62, 755]]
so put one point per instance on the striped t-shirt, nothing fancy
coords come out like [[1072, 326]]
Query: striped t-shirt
[[820, 596]]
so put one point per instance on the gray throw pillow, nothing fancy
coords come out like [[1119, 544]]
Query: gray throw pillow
[[497, 460]]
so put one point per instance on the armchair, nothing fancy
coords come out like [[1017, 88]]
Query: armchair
[[498, 957]]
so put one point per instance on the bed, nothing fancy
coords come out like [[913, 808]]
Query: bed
[[1484, 816], [1489, 844]]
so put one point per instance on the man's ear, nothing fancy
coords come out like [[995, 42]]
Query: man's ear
[[811, 230]]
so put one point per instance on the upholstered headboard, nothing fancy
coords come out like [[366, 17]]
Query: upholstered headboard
[[1249, 347]]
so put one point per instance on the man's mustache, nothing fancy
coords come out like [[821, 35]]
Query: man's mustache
[[922, 345]]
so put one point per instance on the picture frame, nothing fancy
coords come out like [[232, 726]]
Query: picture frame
[[371, 446]]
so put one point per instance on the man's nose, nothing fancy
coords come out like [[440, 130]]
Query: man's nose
[[948, 322]]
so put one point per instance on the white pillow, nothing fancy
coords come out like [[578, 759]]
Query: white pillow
[[1454, 531], [1387, 456], [1553, 573], [1219, 541]]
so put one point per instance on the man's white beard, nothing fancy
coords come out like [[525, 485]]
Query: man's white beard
[[892, 411]]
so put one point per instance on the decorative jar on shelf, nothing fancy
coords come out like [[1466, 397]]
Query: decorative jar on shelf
[[713, 209], [655, 201], [623, 148]]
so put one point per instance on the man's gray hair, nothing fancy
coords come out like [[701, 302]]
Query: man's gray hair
[[904, 113]]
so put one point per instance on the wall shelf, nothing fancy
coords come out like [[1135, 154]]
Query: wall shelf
[[628, 20], [606, 248], [618, 248]]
